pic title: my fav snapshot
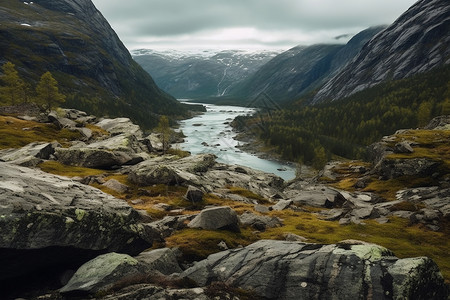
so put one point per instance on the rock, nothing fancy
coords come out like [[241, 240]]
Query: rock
[[121, 142], [37, 150], [155, 142], [163, 260], [282, 204], [119, 126], [394, 168], [348, 270], [85, 132], [102, 273], [150, 291], [261, 208], [61, 122], [222, 245], [216, 218], [193, 194], [316, 195], [258, 222], [92, 158], [48, 219], [439, 123], [403, 147], [116, 186], [169, 224], [291, 237], [144, 175]]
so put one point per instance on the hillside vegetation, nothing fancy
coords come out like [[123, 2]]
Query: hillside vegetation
[[314, 134]]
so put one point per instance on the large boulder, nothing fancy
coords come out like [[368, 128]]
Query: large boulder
[[347, 270], [119, 126], [155, 174], [51, 220], [216, 218], [92, 158], [109, 271], [393, 168], [30, 155], [102, 273], [315, 195]]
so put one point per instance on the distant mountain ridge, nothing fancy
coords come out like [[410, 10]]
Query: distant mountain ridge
[[301, 69], [73, 41], [416, 42], [210, 73]]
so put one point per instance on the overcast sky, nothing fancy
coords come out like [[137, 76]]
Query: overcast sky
[[243, 24]]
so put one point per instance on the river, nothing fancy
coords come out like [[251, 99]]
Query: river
[[211, 132]]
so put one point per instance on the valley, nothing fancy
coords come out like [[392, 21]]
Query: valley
[[319, 171]]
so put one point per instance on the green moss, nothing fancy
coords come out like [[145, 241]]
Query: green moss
[[80, 213]]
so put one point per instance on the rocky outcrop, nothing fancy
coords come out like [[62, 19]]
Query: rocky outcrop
[[29, 155], [347, 270], [416, 42], [45, 219], [204, 172], [111, 271]]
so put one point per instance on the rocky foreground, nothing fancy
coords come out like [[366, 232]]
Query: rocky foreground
[[76, 241]]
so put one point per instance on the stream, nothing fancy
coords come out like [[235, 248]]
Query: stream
[[211, 132]]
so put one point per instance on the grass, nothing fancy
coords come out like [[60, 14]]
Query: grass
[[247, 194], [197, 244], [58, 168], [16, 133], [397, 235]]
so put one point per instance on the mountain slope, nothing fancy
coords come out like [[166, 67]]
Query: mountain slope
[[199, 75], [301, 69], [73, 41], [416, 42]]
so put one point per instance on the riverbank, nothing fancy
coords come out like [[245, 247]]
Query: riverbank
[[211, 132]]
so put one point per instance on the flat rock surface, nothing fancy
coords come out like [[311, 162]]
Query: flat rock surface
[[347, 270]]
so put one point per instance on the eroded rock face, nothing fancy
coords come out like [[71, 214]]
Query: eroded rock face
[[295, 270], [39, 211], [413, 44]]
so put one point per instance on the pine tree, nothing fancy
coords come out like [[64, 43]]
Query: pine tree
[[47, 92], [165, 132], [14, 90]]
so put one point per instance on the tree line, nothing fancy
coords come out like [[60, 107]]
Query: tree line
[[16, 91], [314, 134]]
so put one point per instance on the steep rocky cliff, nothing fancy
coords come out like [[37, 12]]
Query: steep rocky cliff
[[416, 42], [299, 70], [73, 41]]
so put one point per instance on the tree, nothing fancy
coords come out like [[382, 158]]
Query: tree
[[14, 90], [165, 132], [47, 94]]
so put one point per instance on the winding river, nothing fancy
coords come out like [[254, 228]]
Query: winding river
[[211, 132]]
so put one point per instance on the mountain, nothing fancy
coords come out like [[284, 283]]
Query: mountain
[[73, 41], [416, 42], [199, 75], [301, 69]]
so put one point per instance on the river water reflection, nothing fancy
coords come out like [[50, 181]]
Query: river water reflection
[[211, 132]]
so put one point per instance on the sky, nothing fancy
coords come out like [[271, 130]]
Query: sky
[[244, 24]]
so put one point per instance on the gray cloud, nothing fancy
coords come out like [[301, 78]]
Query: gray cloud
[[282, 23]]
